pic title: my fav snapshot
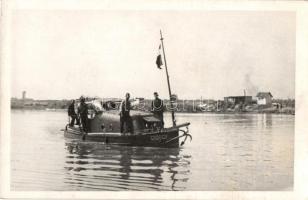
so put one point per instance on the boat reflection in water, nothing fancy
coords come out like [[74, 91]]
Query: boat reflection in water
[[96, 166]]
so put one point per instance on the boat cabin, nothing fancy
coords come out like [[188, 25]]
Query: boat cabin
[[104, 118]]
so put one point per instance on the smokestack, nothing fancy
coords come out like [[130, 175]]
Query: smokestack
[[245, 96], [23, 95]]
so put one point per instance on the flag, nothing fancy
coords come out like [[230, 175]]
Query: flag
[[159, 61]]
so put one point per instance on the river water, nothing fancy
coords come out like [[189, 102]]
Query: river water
[[229, 152]]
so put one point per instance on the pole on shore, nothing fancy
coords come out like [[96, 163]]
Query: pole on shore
[[169, 88]]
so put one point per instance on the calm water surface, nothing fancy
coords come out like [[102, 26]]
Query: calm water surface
[[228, 152]]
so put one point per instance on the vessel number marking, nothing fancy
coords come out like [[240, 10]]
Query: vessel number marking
[[158, 137]]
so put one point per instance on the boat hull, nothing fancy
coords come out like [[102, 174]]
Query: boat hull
[[165, 138]]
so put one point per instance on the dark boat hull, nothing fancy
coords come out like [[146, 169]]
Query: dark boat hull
[[165, 138]]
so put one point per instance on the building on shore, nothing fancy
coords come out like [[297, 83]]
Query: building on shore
[[29, 103], [232, 101], [264, 99]]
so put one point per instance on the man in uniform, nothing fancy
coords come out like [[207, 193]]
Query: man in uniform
[[72, 114], [125, 117], [83, 114], [157, 108]]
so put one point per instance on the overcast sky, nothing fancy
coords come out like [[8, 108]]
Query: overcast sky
[[64, 54]]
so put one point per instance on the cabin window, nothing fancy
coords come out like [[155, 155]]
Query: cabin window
[[152, 123]]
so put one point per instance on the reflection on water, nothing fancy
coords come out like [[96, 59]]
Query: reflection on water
[[228, 152], [124, 168]]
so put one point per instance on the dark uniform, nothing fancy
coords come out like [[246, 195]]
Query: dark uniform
[[125, 118], [71, 112], [83, 113], [158, 109]]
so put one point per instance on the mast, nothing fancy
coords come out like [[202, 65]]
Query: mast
[[169, 89]]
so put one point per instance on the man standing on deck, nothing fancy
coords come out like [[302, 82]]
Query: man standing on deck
[[72, 114], [83, 114], [125, 117], [157, 108]]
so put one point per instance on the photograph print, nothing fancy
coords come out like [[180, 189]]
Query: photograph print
[[152, 100]]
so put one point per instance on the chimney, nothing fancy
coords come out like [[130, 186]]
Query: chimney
[[23, 95]]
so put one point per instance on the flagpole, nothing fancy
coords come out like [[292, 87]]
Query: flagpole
[[170, 96]]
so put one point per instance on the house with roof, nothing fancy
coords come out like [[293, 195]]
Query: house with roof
[[264, 98]]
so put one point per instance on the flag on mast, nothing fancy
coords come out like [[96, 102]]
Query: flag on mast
[[159, 61]]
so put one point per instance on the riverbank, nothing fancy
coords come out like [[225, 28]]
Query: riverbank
[[285, 111], [278, 106]]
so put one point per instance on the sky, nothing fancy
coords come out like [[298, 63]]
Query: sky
[[63, 54]]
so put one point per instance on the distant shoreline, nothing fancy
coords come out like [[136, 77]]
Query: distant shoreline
[[289, 112], [226, 106]]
